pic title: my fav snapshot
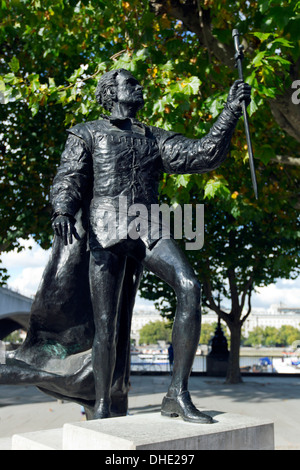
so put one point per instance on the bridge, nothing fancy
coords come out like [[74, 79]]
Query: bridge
[[14, 311]]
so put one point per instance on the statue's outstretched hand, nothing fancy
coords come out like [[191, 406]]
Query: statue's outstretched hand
[[64, 227], [240, 91]]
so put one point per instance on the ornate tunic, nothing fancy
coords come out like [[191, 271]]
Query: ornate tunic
[[106, 169]]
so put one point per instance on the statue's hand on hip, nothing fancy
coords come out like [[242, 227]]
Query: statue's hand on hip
[[64, 226]]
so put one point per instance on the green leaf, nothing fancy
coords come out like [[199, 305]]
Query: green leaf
[[280, 59], [142, 54], [168, 66], [14, 64], [283, 42], [257, 61], [83, 108], [216, 106], [183, 180], [215, 187], [9, 78], [191, 86], [76, 74], [265, 153], [34, 108], [262, 36], [35, 84], [52, 85], [252, 107], [263, 7]]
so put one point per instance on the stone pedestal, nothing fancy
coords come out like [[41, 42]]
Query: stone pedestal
[[153, 432]]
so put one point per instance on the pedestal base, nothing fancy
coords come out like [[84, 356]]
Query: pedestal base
[[151, 431]]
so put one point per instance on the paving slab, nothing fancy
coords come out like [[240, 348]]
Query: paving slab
[[276, 399]]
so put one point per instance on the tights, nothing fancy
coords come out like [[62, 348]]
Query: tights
[[107, 268]]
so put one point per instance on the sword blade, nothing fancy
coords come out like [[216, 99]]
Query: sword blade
[[235, 35], [250, 150]]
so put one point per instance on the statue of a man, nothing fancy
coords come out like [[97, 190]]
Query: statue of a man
[[118, 156]]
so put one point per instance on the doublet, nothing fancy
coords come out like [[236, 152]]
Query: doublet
[[110, 165]]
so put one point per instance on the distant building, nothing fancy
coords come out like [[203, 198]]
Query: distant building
[[142, 316], [275, 315]]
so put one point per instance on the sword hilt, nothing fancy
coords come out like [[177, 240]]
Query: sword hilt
[[235, 35]]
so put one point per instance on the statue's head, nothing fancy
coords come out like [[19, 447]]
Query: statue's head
[[119, 86]]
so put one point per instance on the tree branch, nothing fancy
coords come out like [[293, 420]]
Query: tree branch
[[212, 304], [208, 293], [247, 287], [197, 20], [285, 111], [286, 160], [233, 290], [249, 306]]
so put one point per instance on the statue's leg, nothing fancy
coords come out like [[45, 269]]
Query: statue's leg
[[167, 261], [106, 278], [120, 385]]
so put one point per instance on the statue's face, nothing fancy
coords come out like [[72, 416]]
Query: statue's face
[[129, 91]]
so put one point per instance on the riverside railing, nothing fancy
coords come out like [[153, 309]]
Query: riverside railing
[[248, 364]]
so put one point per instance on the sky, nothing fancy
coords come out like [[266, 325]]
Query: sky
[[26, 269]]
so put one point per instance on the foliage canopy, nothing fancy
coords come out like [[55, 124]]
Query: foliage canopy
[[155, 331], [271, 336], [52, 53]]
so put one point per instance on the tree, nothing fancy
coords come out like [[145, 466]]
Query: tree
[[15, 337], [272, 337], [255, 337], [287, 335], [52, 53], [207, 332], [153, 332]]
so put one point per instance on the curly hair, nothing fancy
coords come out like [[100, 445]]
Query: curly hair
[[105, 91]]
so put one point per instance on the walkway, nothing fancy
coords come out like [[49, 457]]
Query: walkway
[[24, 409]]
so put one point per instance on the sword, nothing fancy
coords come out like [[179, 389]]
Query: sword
[[239, 55]]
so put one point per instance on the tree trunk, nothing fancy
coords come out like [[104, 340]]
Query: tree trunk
[[233, 372]]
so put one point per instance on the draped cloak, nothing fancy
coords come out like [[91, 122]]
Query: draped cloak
[[56, 354]]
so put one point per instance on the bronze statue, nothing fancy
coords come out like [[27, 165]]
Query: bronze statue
[[78, 341]]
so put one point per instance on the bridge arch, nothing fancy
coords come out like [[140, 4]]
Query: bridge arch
[[14, 311]]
